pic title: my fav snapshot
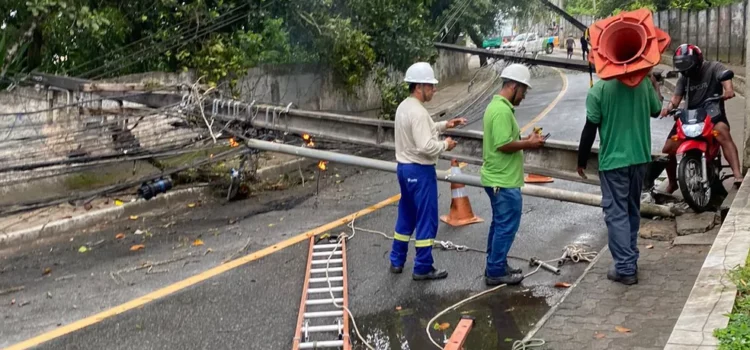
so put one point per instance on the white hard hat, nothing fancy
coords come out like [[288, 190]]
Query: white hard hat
[[420, 73], [518, 73]]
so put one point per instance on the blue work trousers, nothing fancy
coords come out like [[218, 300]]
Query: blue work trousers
[[621, 202], [507, 204], [417, 210]]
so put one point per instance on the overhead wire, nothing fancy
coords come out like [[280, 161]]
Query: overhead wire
[[183, 31], [150, 52]]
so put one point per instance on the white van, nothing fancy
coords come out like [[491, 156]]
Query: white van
[[523, 43]]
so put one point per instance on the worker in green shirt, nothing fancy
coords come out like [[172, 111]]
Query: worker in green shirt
[[502, 172], [621, 115]]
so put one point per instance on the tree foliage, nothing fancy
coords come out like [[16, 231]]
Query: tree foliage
[[222, 39], [606, 8]]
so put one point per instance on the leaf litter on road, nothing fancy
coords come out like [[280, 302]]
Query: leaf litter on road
[[622, 329]]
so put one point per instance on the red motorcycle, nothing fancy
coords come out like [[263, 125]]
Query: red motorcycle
[[699, 170]]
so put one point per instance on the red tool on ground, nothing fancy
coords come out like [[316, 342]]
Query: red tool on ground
[[458, 338]]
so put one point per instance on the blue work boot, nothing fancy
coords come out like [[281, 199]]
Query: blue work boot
[[613, 275], [435, 274]]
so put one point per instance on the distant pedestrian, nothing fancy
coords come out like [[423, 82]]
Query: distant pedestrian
[[417, 150], [570, 43], [502, 172], [621, 115], [584, 47]]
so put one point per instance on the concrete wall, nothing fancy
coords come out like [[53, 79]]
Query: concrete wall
[[719, 31], [312, 87]]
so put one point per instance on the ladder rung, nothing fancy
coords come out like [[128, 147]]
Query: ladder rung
[[326, 254], [325, 290], [331, 269], [326, 246], [322, 344], [323, 301], [325, 261], [323, 279], [324, 314], [327, 328]]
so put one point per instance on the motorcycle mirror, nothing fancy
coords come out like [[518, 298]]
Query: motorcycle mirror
[[726, 75]]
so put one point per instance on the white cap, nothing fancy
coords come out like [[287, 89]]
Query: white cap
[[518, 73], [420, 73]]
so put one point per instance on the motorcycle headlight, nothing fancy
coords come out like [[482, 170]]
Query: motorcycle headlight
[[693, 130]]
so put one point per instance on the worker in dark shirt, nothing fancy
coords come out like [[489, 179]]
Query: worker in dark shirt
[[584, 46], [701, 78]]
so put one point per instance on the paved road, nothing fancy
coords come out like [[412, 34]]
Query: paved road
[[254, 306]]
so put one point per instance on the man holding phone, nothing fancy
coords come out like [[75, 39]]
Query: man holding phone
[[502, 172], [417, 151]]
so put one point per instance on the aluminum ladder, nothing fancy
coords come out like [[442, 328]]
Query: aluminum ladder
[[321, 324]]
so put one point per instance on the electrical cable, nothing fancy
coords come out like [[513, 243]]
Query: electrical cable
[[139, 56], [151, 36], [119, 97], [36, 204]]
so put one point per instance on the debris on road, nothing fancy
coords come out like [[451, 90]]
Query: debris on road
[[83, 249], [23, 303], [197, 242], [46, 271], [598, 335], [137, 247], [562, 285], [12, 290], [120, 236], [138, 232], [133, 217], [650, 246], [49, 295], [66, 277], [622, 329]]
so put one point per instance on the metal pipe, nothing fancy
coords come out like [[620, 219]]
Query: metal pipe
[[443, 175]]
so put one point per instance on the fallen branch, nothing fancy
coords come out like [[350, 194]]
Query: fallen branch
[[12, 290]]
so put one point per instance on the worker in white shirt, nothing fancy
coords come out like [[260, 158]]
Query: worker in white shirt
[[417, 151]]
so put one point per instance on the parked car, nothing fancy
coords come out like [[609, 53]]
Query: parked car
[[523, 43]]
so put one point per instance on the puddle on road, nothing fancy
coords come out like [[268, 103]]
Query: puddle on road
[[501, 318]]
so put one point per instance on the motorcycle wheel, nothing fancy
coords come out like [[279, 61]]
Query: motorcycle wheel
[[549, 49], [689, 177]]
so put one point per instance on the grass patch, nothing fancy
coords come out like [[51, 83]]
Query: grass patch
[[737, 333], [90, 180]]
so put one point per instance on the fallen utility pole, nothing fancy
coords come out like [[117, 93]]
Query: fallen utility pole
[[446, 176]]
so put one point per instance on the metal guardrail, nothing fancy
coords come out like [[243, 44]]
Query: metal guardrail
[[556, 159]]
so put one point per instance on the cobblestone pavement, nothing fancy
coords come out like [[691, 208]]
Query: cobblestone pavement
[[591, 314]]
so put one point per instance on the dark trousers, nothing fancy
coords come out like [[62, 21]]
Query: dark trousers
[[621, 201]]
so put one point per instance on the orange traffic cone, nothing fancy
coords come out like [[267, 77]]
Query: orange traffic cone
[[461, 213], [537, 179]]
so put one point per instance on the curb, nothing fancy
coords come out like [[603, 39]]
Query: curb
[[113, 213], [713, 294], [94, 217]]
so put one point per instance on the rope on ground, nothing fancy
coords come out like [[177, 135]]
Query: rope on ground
[[572, 252]]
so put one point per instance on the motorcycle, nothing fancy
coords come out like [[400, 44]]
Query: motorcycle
[[699, 154]]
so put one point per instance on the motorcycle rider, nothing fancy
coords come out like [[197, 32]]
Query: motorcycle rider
[[701, 77]]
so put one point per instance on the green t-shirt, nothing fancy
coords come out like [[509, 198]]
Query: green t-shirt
[[623, 114], [501, 169]]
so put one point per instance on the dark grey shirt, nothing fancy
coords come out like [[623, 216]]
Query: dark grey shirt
[[707, 85]]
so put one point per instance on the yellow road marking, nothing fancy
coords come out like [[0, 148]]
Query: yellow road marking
[[552, 105], [215, 271], [138, 302]]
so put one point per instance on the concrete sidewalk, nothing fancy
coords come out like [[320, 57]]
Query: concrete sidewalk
[[601, 314]]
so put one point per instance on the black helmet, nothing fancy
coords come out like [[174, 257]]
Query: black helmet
[[687, 58]]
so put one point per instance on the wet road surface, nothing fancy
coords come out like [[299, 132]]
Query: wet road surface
[[255, 305]]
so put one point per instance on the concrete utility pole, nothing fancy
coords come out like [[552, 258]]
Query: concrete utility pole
[[746, 136]]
